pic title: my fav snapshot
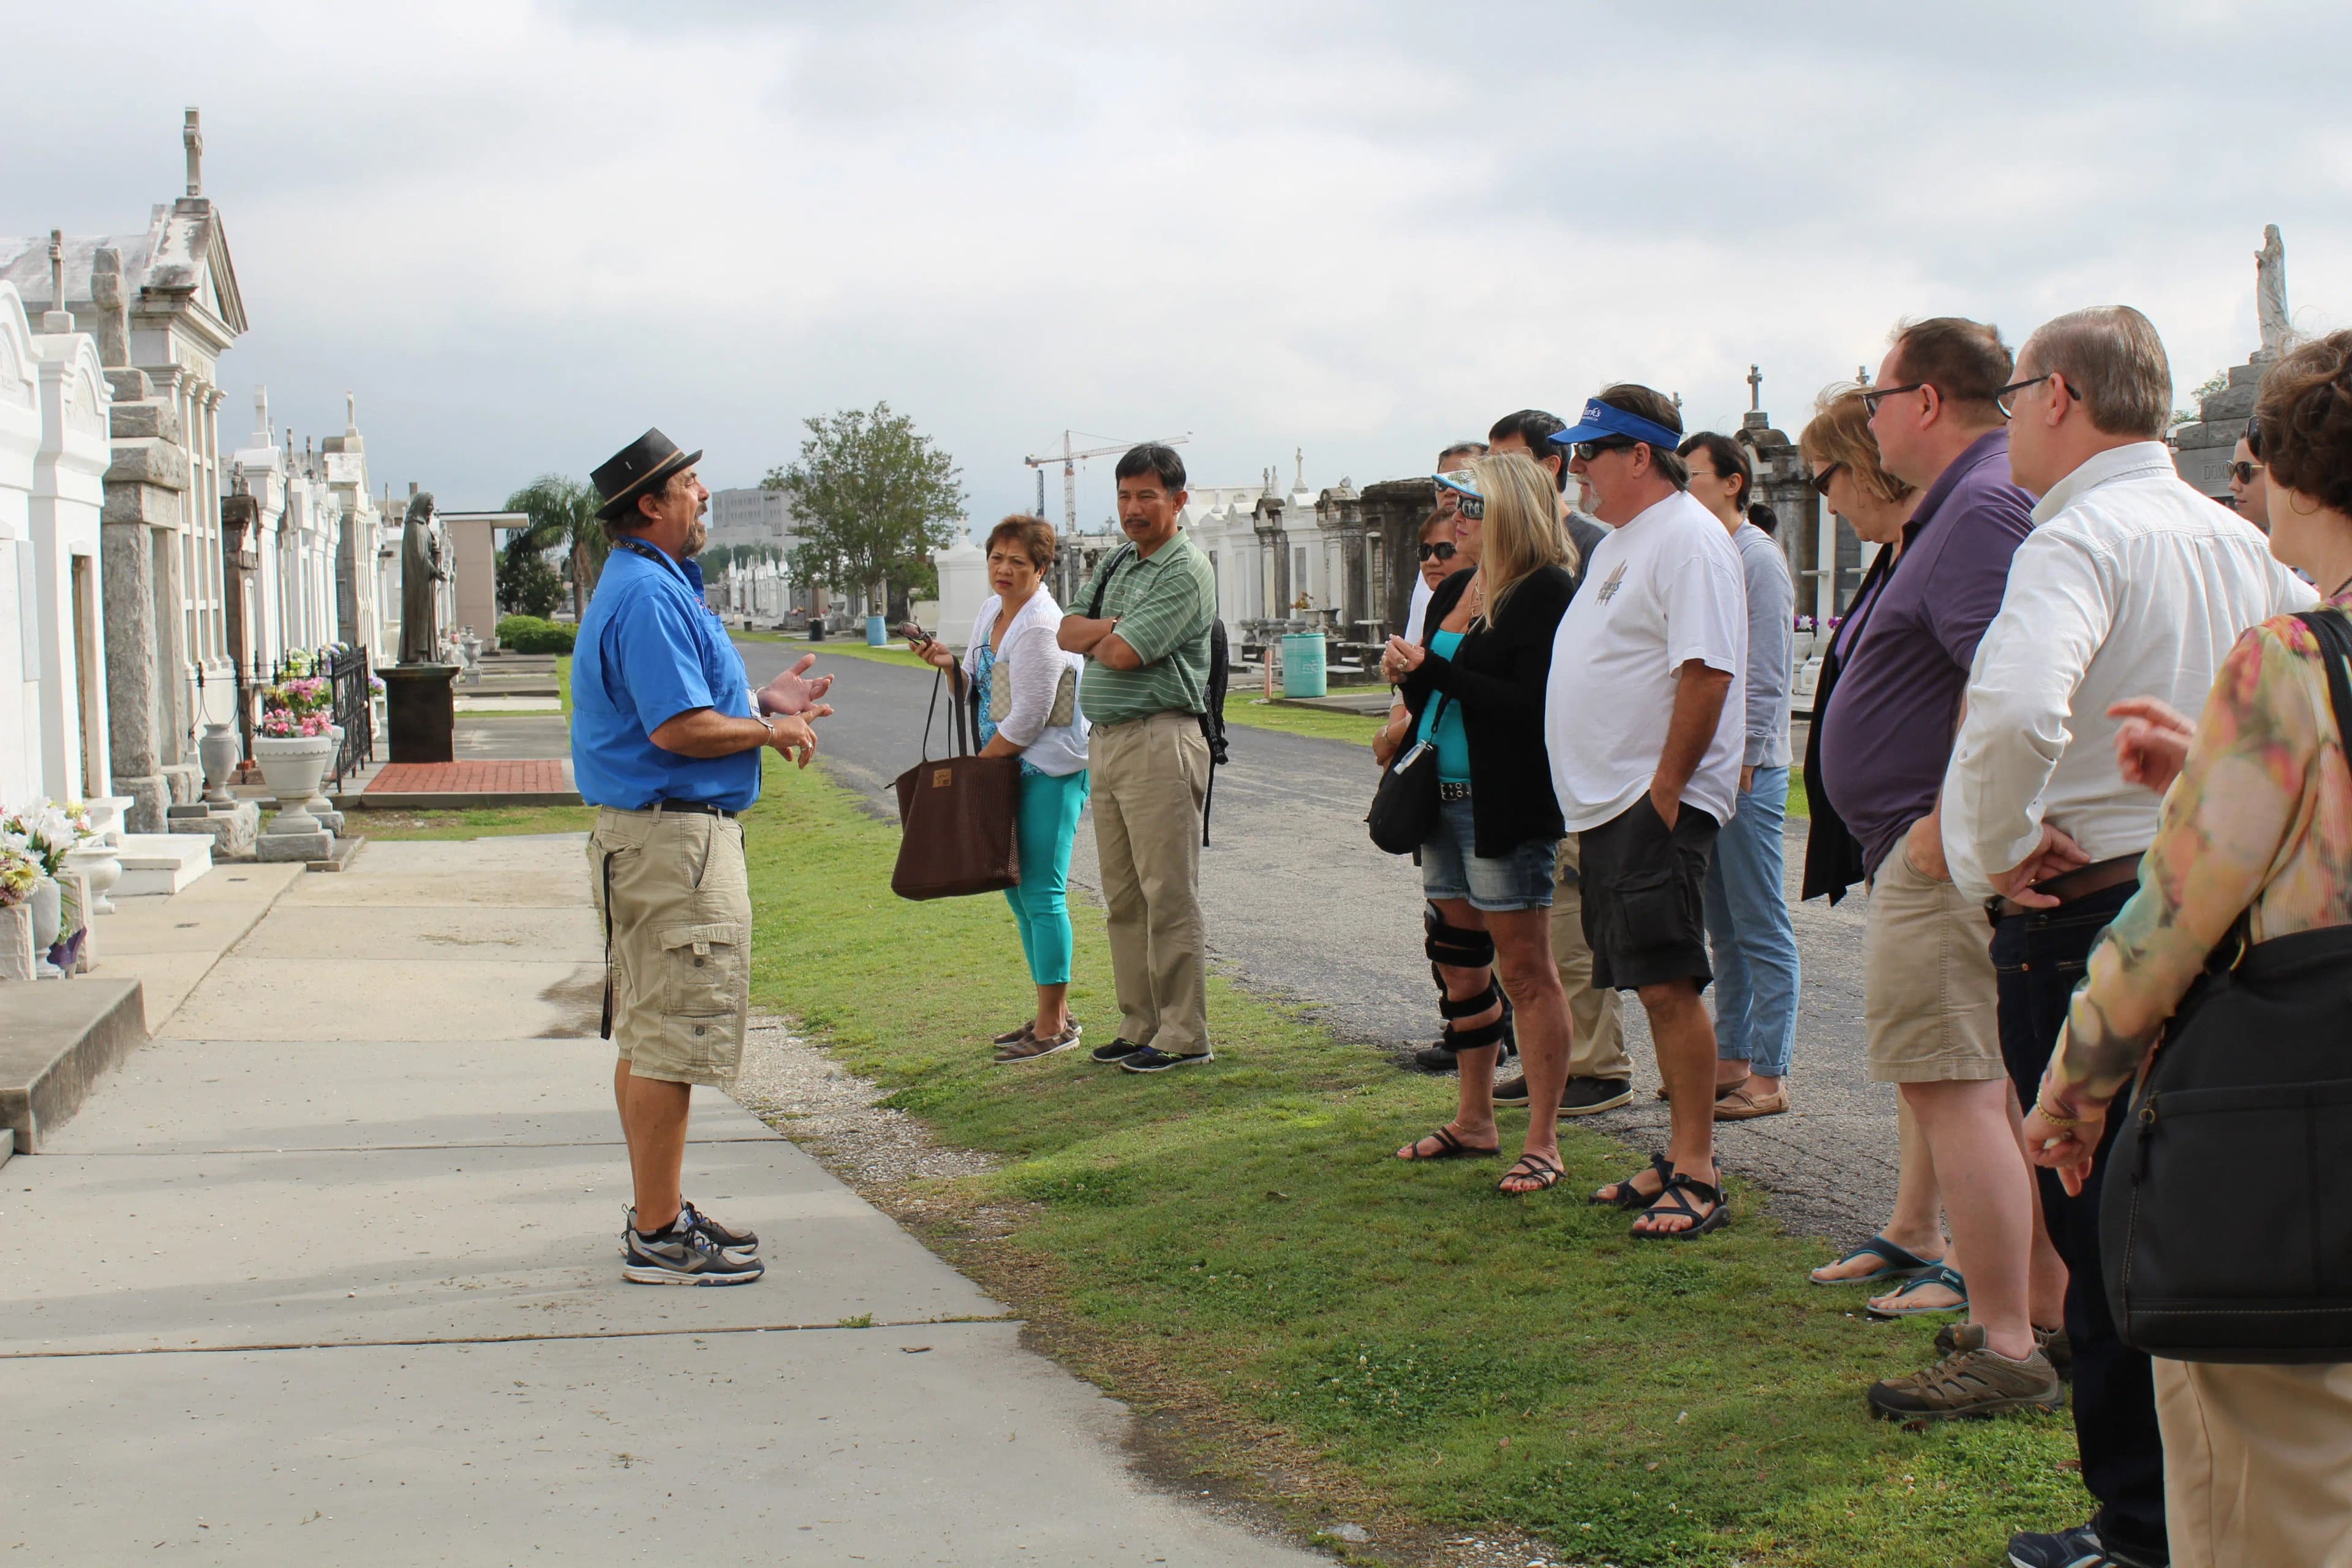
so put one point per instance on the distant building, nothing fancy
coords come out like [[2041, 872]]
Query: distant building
[[751, 517]]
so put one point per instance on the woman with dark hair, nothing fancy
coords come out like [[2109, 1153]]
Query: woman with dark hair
[[2250, 488], [1748, 929], [1027, 697], [1476, 694], [2257, 827]]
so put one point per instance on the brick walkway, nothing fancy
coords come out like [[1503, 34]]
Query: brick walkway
[[472, 777]]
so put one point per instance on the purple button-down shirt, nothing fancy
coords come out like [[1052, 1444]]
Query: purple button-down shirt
[[1888, 733]]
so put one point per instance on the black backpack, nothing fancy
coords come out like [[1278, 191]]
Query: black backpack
[[1212, 713]]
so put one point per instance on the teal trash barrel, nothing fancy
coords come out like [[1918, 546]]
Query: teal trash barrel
[[877, 634], [1302, 663]]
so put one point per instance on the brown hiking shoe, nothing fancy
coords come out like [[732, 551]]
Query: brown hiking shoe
[[1971, 1380], [1033, 1045]]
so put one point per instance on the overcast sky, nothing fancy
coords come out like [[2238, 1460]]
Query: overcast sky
[[522, 232]]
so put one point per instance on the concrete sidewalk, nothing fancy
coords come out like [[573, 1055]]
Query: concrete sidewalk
[[329, 1273]]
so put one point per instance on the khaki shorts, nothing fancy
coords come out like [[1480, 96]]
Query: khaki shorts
[[680, 965], [1926, 981]]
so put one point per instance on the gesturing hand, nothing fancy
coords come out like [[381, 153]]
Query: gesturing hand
[[2153, 743], [793, 736], [792, 692], [1400, 659]]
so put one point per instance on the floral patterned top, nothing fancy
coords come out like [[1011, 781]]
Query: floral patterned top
[[2262, 816]]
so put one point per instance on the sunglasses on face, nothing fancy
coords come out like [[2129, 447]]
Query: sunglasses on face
[[1821, 481], [1470, 507], [1588, 450], [2244, 472], [1440, 551]]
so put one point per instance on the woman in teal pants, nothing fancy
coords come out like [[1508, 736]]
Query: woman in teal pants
[[1029, 709]]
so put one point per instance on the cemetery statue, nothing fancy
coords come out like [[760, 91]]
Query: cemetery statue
[[420, 569], [2270, 293]]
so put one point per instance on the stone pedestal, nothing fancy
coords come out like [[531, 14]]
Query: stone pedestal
[[234, 830], [421, 711], [276, 846]]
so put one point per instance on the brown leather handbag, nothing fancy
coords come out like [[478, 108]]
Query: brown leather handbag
[[956, 815]]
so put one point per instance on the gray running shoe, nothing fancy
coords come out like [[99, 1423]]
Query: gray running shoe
[[685, 1254], [1971, 1380]]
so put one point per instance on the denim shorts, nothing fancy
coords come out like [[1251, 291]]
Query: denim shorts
[[1451, 868]]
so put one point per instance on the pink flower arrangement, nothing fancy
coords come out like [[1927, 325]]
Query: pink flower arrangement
[[285, 724]]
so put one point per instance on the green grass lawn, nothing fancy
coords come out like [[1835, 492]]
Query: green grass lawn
[[1420, 1344], [480, 822]]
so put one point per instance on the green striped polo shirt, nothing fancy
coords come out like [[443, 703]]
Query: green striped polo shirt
[[1165, 606]]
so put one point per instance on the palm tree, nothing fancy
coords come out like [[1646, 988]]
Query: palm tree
[[564, 512]]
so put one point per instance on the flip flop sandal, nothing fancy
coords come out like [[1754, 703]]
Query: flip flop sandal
[[1449, 1147], [1530, 1168], [1629, 1197], [1901, 1263], [1673, 1202], [1942, 1274]]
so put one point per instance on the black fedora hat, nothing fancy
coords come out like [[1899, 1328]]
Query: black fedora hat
[[636, 469]]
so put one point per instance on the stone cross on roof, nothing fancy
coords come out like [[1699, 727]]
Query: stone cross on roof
[[59, 318], [350, 414], [192, 137], [1755, 388]]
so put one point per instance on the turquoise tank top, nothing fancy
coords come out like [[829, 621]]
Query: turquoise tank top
[[1451, 741]]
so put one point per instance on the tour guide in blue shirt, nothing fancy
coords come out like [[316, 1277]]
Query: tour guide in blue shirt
[[665, 743]]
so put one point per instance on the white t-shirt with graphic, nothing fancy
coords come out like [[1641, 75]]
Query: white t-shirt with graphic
[[1661, 590]]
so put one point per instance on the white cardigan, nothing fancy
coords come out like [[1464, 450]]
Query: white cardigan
[[1033, 663]]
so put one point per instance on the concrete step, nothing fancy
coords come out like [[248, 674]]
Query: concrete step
[[163, 862], [56, 1037]]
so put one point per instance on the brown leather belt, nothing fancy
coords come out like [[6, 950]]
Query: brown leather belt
[[2080, 883]]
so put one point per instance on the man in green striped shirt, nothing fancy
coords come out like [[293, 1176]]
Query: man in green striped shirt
[[1145, 688]]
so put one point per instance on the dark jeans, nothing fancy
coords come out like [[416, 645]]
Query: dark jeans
[[2038, 960]]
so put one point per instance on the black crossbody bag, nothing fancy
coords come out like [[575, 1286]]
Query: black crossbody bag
[[1404, 808], [2226, 1219]]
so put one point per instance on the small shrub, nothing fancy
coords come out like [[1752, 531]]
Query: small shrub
[[528, 633]]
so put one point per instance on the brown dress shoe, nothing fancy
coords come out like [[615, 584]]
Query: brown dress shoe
[[1744, 1104]]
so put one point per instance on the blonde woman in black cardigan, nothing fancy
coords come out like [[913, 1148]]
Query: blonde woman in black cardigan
[[1474, 688]]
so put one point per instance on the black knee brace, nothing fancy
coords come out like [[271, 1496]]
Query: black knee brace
[[1460, 947]]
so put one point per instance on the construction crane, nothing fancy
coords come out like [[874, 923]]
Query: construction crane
[[1070, 457]]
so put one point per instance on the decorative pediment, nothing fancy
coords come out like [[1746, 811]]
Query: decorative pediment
[[16, 385]]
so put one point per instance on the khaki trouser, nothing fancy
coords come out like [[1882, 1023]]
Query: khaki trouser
[[1151, 775], [679, 896], [1599, 1048], [2257, 1464]]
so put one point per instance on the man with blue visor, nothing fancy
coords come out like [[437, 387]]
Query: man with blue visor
[[1644, 725], [665, 742]]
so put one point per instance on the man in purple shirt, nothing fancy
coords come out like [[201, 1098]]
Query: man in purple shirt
[[1928, 991]]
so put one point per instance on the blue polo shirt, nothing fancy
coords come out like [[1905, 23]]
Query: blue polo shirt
[[648, 650]]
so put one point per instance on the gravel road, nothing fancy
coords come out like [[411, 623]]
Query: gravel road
[[1302, 907]]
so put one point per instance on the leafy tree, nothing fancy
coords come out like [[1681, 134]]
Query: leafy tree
[[2219, 379], [564, 512], [873, 498], [526, 585]]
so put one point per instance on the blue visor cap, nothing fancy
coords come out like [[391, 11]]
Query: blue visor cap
[[1460, 481], [1601, 420]]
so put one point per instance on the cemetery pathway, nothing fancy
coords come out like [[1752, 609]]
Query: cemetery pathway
[[1301, 906], [347, 1230]]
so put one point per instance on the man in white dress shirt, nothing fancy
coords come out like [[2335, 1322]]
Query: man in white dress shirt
[[2131, 584]]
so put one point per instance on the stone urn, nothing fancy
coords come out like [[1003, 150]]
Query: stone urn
[[46, 902], [16, 942], [96, 860], [218, 753], [293, 765]]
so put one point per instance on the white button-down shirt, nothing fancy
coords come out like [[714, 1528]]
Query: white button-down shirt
[[2131, 584]]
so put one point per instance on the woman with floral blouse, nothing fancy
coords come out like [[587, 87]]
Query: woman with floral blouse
[[2258, 820]]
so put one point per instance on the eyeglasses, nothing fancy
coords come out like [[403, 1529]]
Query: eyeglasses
[[1821, 481], [2243, 472], [2006, 398], [1872, 396], [1443, 550], [1588, 450]]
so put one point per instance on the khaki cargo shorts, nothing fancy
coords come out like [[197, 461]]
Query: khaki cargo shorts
[[1928, 992], [680, 966]]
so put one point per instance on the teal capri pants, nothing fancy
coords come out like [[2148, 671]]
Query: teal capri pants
[[1050, 804]]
